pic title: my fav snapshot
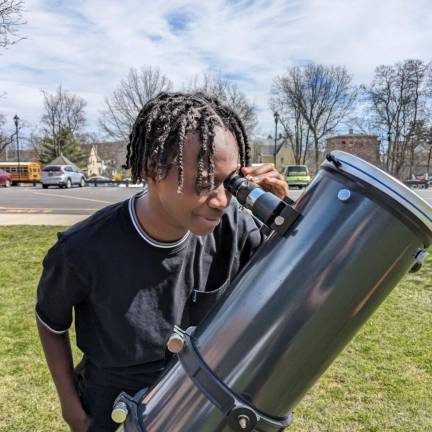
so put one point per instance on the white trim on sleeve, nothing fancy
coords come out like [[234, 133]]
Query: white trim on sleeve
[[48, 327]]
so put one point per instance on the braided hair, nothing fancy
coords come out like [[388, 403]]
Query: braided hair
[[160, 130]]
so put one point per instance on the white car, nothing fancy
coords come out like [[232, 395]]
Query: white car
[[64, 176]]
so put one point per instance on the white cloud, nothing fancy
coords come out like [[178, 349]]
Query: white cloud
[[88, 46]]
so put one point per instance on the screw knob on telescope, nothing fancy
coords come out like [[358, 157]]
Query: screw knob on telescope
[[242, 419], [119, 412], [175, 343]]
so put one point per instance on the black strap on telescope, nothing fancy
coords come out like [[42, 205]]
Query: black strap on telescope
[[241, 415]]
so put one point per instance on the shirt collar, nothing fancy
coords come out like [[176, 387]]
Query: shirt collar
[[143, 234]]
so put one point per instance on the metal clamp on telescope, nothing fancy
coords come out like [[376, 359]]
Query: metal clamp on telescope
[[241, 415], [277, 214]]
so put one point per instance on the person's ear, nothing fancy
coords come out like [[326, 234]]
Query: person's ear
[[150, 181], [146, 179]]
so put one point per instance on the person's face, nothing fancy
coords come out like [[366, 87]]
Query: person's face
[[199, 213]]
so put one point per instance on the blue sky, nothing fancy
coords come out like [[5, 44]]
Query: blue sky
[[88, 46]]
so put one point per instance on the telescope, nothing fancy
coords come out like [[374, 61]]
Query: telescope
[[330, 260]]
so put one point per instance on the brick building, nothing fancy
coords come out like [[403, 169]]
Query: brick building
[[362, 145]]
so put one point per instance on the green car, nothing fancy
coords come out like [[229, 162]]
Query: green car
[[297, 175]]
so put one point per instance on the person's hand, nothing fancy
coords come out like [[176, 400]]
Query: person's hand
[[78, 422], [267, 177], [80, 425]]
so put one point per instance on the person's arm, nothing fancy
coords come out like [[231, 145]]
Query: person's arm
[[58, 355]]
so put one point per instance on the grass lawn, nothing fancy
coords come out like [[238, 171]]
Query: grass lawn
[[381, 382]]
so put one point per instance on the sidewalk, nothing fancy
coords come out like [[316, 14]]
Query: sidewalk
[[39, 219]]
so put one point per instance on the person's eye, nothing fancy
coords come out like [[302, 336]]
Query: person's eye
[[205, 184]]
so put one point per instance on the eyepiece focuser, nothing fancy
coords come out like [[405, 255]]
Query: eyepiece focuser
[[277, 214]]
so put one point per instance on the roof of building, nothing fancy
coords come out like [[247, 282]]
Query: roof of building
[[353, 136], [62, 160], [265, 146], [268, 149]]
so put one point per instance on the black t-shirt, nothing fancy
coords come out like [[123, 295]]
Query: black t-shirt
[[128, 291]]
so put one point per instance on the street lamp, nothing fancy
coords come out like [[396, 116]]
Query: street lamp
[[276, 119], [389, 150], [16, 121]]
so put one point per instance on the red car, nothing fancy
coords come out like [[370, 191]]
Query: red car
[[5, 178]]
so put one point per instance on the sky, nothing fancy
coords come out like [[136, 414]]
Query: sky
[[88, 46]]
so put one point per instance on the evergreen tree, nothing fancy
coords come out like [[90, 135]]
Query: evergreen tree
[[63, 143], [61, 127]]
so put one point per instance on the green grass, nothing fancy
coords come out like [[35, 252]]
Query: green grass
[[381, 382]]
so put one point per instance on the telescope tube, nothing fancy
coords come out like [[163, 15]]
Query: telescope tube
[[299, 301]]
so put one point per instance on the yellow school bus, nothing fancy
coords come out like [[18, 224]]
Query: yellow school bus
[[24, 172]]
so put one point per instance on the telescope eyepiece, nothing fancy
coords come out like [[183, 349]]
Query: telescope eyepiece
[[233, 183], [240, 187], [267, 207], [251, 196]]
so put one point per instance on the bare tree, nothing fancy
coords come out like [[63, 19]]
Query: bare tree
[[428, 146], [422, 137], [230, 95], [122, 108], [321, 95], [62, 110], [10, 21], [295, 129], [6, 139], [398, 97], [62, 123]]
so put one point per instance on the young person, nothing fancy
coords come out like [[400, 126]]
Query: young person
[[133, 270]]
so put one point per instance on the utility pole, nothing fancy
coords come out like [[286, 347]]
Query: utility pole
[[16, 121], [276, 119]]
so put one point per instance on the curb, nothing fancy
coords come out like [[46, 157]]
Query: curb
[[40, 219]]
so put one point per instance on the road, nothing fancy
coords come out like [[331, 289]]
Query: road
[[36, 206], [75, 201], [28, 205]]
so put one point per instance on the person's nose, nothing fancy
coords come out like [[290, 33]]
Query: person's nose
[[219, 198]]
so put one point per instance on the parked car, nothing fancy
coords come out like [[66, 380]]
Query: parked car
[[297, 175], [99, 181], [127, 182], [417, 183], [5, 178], [62, 176]]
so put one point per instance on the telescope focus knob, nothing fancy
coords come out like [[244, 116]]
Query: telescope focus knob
[[119, 412], [243, 421], [175, 342]]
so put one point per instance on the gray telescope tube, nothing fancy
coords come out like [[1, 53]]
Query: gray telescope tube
[[295, 306]]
